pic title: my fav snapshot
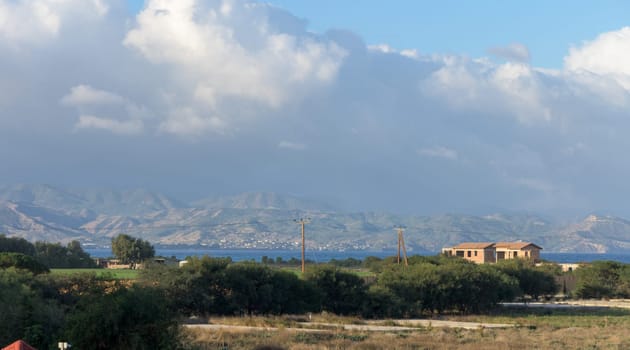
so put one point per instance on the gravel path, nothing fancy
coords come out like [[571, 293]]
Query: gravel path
[[371, 326]]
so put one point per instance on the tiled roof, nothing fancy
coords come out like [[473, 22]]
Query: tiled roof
[[473, 245], [18, 345], [515, 245]]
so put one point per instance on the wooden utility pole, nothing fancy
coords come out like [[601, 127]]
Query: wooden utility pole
[[401, 243], [303, 222]]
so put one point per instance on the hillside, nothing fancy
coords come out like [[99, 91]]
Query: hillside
[[266, 220]]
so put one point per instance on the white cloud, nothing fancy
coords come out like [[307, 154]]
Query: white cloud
[[33, 21], [439, 152], [86, 95], [233, 52], [292, 146], [386, 49], [411, 53], [187, 122], [382, 48], [608, 55], [235, 76], [516, 52], [129, 127]]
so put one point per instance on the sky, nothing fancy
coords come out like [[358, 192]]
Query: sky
[[417, 107]]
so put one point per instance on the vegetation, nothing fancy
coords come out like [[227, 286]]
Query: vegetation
[[533, 329], [110, 274], [603, 279], [100, 311], [54, 255], [130, 250], [23, 262], [51, 255]]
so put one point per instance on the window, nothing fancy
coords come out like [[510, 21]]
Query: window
[[469, 255], [526, 253], [515, 254], [460, 253], [475, 253]]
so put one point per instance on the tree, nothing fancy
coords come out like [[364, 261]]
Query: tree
[[21, 261], [54, 255], [134, 318], [600, 279], [197, 288], [258, 289], [342, 292], [25, 310], [533, 281], [16, 245], [131, 250]]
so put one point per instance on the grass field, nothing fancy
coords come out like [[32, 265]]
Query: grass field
[[121, 274], [533, 329]]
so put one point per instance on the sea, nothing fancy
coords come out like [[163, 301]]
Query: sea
[[322, 256]]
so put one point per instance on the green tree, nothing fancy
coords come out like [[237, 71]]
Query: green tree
[[26, 312], [21, 261], [342, 292], [600, 279], [131, 250], [16, 245], [54, 255], [197, 288], [532, 280], [258, 289], [134, 318]]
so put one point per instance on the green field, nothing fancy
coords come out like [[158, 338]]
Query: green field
[[120, 274]]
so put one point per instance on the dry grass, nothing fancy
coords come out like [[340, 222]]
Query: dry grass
[[438, 339], [594, 329]]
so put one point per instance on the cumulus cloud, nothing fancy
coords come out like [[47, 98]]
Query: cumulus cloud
[[514, 52], [243, 80], [90, 102], [81, 95], [130, 127], [32, 21], [608, 55], [226, 50]]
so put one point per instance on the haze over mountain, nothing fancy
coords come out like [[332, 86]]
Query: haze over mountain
[[266, 220], [190, 98]]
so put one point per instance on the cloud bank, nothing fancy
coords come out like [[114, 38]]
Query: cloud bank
[[224, 96]]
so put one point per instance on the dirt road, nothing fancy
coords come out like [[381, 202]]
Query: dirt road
[[371, 326]]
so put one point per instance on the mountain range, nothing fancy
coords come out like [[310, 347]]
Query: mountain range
[[267, 220]]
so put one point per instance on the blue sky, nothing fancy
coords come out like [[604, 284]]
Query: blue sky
[[547, 28], [205, 97]]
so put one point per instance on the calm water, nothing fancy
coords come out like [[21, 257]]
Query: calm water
[[324, 256]]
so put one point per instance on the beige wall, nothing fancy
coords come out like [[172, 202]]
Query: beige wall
[[527, 253], [478, 256]]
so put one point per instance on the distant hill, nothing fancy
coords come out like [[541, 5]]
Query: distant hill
[[262, 200], [99, 201], [266, 220], [596, 234]]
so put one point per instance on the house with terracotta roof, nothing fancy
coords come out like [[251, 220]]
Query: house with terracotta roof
[[18, 345], [487, 252], [513, 250], [478, 252]]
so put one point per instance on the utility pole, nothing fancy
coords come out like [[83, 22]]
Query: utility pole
[[303, 222], [401, 243]]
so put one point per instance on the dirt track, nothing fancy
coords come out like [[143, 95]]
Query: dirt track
[[372, 326]]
